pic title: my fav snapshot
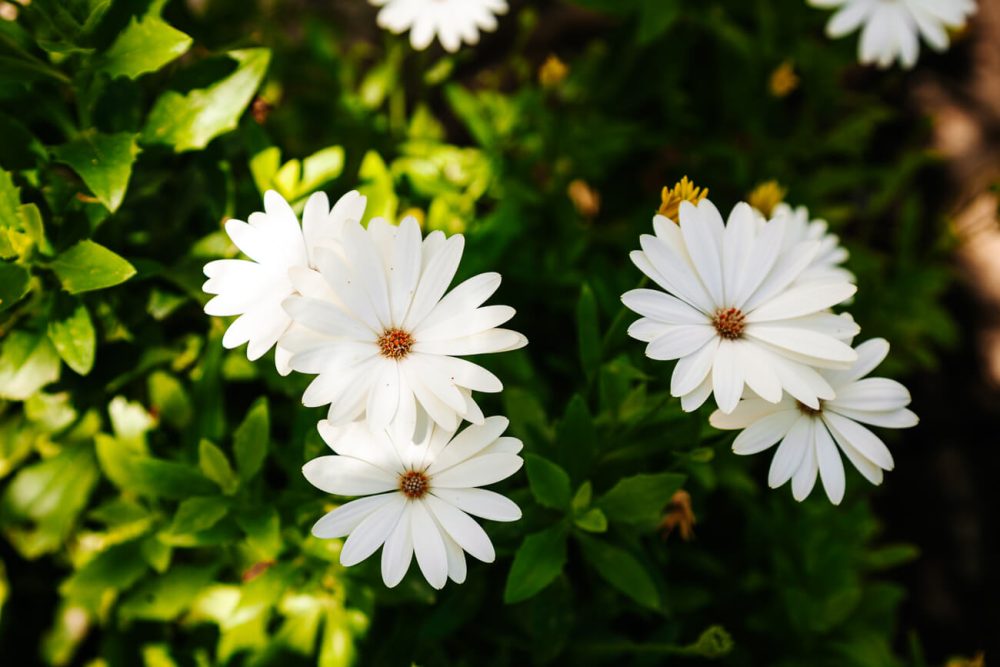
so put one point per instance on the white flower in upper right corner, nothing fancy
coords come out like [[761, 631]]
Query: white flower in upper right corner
[[275, 244], [418, 496], [452, 21], [829, 257], [734, 314], [890, 29], [809, 438]]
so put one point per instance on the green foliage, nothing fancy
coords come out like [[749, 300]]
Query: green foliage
[[151, 496]]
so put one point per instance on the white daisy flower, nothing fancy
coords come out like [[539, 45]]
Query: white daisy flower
[[451, 21], [734, 314], [418, 496], [810, 437], [383, 337], [827, 263], [275, 244], [890, 29]]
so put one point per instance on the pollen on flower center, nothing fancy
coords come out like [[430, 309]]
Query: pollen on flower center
[[395, 343], [414, 484], [808, 411], [729, 322]]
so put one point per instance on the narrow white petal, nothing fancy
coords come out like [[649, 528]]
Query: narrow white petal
[[428, 546], [804, 478], [901, 418], [434, 280], [346, 476], [727, 376], [831, 468], [481, 502], [747, 412], [372, 532], [479, 471], [790, 452], [766, 431], [463, 529], [398, 550], [860, 438], [802, 300], [341, 521], [692, 369], [680, 341], [662, 307]]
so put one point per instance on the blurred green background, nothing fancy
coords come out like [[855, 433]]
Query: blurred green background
[[152, 508]]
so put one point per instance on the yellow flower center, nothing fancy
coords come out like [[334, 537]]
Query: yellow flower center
[[683, 190], [414, 484], [766, 196], [394, 343], [729, 323]]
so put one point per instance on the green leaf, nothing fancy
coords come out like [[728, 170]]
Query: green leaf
[[74, 339], [14, 281], [576, 438], [621, 569], [167, 396], [588, 332], [640, 499], [197, 514], [88, 266], [103, 161], [148, 476], [549, 483], [656, 17], [320, 168], [166, 597], [377, 186], [592, 521], [10, 200], [262, 526], [891, 556], [215, 466], [189, 121], [250, 441], [110, 571], [582, 497], [537, 563], [28, 362], [146, 45]]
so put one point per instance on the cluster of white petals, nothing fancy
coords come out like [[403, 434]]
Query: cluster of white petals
[[891, 29], [451, 21], [367, 310], [745, 310], [417, 496]]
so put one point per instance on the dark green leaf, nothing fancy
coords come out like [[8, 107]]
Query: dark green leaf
[[538, 561], [588, 332], [640, 499], [621, 569], [576, 439], [103, 161], [88, 266], [549, 482], [14, 281], [251, 439]]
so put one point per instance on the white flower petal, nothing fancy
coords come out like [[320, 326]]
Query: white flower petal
[[373, 531], [831, 468], [860, 438], [463, 529], [347, 476], [478, 471], [791, 452], [428, 545], [804, 478], [764, 432], [727, 376], [341, 521], [680, 341], [398, 550], [481, 502]]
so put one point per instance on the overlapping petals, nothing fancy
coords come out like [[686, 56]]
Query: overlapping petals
[[734, 313], [810, 442], [451, 21], [434, 524], [387, 281]]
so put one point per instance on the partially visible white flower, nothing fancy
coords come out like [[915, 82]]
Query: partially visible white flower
[[809, 438], [827, 263], [418, 496], [382, 336], [890, 29], [734, 314], [451, 21], [275, 244]]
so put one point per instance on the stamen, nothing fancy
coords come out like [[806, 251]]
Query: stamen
[[414, 484], [729, 322], [395, 343]]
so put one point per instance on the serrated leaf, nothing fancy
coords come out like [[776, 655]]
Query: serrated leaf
[[537, 563], [189, 121], [146, 45], [89, 266], [621, 569], [251, 439], [103, 161], [215, 466], [549, 483], [74, 339], [28, 362], [640, 499]]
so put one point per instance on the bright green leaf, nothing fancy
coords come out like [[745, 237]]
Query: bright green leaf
[[197, 514], [189, 121], [103, 161], [168, 596], [538, 561], [592, 521], [146, 45], [74, 339], [216, 467], [621, 569], [549, 483], [88, 266], [28, 362], [148, 476], [167, 396]]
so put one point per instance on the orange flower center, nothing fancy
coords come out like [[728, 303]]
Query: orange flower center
[[729, 322], [395, 343], [414, 484]]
